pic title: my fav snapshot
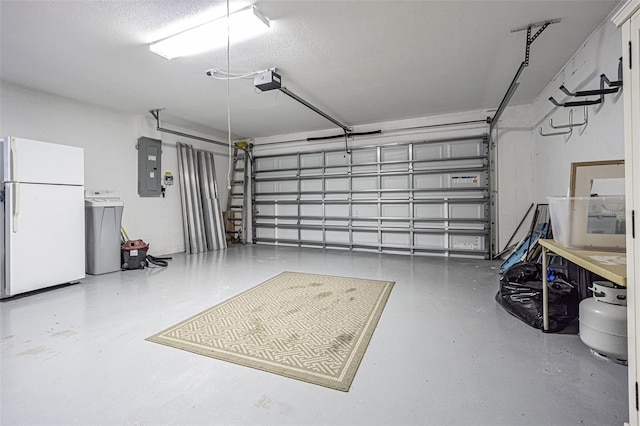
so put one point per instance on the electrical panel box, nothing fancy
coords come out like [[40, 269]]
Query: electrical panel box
[[267, 80], [149, 166]]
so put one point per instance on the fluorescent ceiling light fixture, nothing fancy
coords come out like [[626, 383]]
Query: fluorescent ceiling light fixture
[[243, 24]]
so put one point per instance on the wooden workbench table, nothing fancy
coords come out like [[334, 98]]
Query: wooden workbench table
[[610, 265]]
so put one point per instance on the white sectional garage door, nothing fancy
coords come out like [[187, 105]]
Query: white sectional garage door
[[426, 197]]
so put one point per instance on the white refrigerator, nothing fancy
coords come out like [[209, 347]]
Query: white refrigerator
[[42, 234]]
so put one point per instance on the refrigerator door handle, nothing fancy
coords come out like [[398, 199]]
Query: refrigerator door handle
[[13, 154], [16, 207], [13, 158]]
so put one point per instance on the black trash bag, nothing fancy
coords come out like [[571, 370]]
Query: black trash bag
[[520, 294]]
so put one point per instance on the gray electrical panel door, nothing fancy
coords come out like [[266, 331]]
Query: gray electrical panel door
[[149, 167]]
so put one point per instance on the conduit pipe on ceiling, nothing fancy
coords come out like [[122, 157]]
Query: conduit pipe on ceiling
[[156, 115]]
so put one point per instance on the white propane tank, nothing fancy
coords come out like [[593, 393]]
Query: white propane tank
[[603, 321]]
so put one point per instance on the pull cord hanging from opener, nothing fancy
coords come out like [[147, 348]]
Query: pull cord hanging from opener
[[347, 151], [229, 172]]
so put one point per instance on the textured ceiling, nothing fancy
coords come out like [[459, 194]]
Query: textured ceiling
[[360, 62]]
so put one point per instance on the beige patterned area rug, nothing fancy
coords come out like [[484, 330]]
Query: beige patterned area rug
[[308, 327]]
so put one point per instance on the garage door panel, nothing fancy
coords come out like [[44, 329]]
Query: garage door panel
[[428, 181], [311, 185], [365, 210], [311, 210], [337, 236], [338, 210], [430, 241], [465, 242], [394, 182], [466, 149], [429, 210], [428, 152], [363, 156], [365, 183], [395, 154], [336, 158], [314, 235], [467, 211], [396, 239], [360, 237], [310, 161], [396, 210], [337, 184], [411, 198], [286, 210], [356, 223]]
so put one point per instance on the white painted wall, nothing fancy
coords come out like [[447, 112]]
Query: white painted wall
[[109, 139], [514, 143], [602, 138]]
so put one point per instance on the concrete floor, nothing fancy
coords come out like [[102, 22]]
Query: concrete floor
[[444, 352]]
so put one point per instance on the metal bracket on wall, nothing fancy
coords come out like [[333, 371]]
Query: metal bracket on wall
[[585, 120], [569, 125], [614, 86], [554, 133]]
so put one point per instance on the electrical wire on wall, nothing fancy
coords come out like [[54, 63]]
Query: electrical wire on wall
[[229, 172]]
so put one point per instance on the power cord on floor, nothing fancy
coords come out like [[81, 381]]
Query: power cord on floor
[[158, 261]]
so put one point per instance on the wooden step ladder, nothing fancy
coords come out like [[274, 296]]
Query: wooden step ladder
[[237, 226]]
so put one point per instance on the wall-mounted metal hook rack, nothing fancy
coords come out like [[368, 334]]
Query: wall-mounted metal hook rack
[[571, 124], [601, 92], [618, 82], [577, 103], [554, 133], [614, 86], [595, 92]]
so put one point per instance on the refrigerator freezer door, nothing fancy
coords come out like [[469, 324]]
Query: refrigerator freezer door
[[43, 236], [29, 161], [2, 242]]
